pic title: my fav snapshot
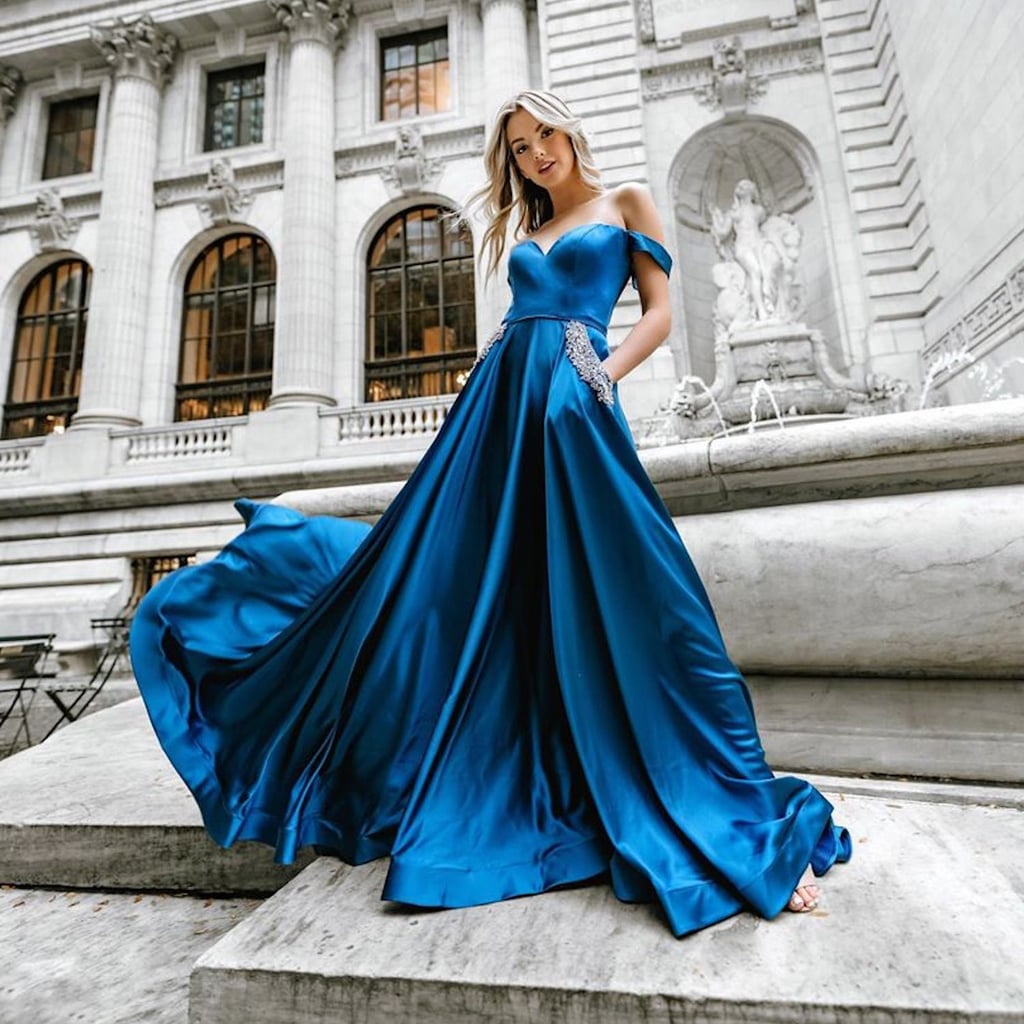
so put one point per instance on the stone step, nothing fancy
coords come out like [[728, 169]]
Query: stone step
[[105, 958], [921, 926], [98, 806]]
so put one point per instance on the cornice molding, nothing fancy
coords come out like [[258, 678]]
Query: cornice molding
[[194, 186], [763, 63], [379, 157]]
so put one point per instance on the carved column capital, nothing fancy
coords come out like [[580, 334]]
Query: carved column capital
[[321, 21], [486, 5], [137, 49], [10, 86]]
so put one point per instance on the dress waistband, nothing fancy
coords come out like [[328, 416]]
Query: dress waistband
[[582, 317]]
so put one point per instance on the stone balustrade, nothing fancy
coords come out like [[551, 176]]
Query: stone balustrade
[[408, 418], [181, 441], [16, 456]]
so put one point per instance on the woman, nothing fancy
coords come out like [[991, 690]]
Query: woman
[[514, 680]]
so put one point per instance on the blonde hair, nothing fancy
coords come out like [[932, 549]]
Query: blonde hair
[[507, 193]]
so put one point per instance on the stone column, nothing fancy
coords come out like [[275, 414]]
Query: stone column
[[506, 55], [305, 326], [141, 55]]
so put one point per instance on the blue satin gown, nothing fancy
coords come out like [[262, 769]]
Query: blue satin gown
[[513, 680]]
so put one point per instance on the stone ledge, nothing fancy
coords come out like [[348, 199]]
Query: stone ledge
[[98, 806], [918, 927]]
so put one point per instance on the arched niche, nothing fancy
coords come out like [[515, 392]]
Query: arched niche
[[781, 163]]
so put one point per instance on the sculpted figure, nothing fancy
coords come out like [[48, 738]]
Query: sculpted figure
[[767, 248]]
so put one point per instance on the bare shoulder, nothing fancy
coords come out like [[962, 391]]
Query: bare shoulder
[[636, 205]]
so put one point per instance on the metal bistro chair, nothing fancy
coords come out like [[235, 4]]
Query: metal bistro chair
[[114, 646], [22, 670]]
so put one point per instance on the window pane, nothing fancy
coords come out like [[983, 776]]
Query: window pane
[[230, 292], [69, 137], [436, 355], [427, 95], [407, 92], [443, 93]]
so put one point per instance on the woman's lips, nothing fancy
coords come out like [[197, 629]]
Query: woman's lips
[[544, 168]]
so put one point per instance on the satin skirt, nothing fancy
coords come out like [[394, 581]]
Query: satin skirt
[[513, 680]]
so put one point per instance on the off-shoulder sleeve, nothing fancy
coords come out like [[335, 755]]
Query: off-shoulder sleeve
[[639, 242]]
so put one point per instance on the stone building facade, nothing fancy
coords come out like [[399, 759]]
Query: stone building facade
[[225, 266]]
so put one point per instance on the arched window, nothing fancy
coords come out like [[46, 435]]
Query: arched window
[[227, 330], [421, 331], [46, 368]]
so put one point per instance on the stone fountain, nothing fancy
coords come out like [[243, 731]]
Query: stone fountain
[[768, 362]]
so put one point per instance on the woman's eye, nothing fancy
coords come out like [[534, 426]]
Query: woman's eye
[[546, 132]]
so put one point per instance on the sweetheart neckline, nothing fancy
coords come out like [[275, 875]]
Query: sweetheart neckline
[[584, 224]]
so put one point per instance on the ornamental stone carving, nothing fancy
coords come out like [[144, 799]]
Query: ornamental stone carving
[[645, 20], [137, 49], [323, 21], [51, 227], [732, 87], [411, 171], [225, 201], [10, 86]]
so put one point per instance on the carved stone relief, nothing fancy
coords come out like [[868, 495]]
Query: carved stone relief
[[225, 201], [10, 87], [410, 171], [51, 228]]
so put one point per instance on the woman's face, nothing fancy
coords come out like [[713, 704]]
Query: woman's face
[[544, 155]]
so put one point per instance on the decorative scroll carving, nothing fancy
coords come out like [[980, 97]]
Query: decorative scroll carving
[[10, 87], [411, 171], [51, 228], [225, 201], [324, 21], [138, 49]]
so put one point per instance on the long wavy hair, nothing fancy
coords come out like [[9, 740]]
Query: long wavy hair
[[507, 194]]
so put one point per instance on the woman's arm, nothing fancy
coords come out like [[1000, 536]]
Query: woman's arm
[[640, 214]]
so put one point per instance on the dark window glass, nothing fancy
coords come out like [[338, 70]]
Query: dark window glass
[[49, 340], [70, 137], [227, 330], [149, 570], [421, 337], [234, 107], [414, 74]]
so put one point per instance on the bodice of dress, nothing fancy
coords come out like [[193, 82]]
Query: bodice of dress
[[581, 276]]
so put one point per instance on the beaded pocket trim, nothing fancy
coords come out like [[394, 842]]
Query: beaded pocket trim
[[587, 362], [498, 334]]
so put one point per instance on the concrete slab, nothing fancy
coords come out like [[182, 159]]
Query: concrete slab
[[98, 806], [102, 958], [924, 925]]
